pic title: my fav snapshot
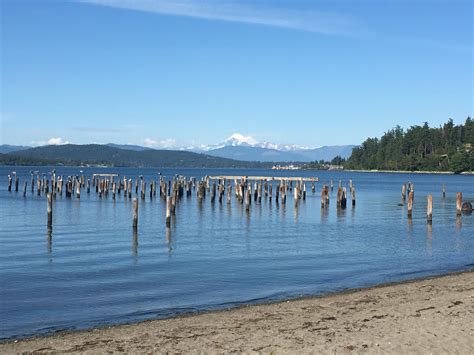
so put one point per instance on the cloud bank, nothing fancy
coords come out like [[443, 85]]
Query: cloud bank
[[51, 141]]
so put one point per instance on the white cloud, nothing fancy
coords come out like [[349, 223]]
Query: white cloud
[[51, 141], [164, 143], [259, 14]]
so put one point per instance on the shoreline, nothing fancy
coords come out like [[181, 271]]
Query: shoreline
[[411, 172], [356, 319]]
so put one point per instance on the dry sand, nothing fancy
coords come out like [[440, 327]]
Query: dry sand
[[426, 316]]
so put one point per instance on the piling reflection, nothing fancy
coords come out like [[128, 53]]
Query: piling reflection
[[168, 239], [429, 238], [458, 223], [324, 215], [49, 239], [295, 212], [135, 245], [341, 213]]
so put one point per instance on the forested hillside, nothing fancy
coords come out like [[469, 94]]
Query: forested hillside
[[94, 154], [446, 148]]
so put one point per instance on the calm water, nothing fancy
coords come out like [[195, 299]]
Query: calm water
[[95, 271]]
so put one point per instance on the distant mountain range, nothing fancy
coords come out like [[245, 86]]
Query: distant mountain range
[[96, 154], [240, 147]]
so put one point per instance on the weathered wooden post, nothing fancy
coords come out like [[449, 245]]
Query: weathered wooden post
[[444, 191], [339, 197], [88, 186], [295, 195], [277, 192], [332, 185], [323, 197], [49, 208], [24, 188], [304, 191], [259, 192], [78, 189], [283, 194], [248, 197], [410, 204], [344, 198], [353, 194], [313, 188], [32, 181], [143, 189], [38, 185], [404, 192], [17, 181], [114, 187], [168, 211], [270, 192], [9, 183], [130, 184], [458, 203], [135, 213], [350, 186], [429, 209], [213, 192], [229, 193]]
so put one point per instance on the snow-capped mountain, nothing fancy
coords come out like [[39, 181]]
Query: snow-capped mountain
[[239, 140], [241, 147]]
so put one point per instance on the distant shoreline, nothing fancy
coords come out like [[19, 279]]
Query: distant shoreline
[[244, 168], [410, 172], [357, 319]]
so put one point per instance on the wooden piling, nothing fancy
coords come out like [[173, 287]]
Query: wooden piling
[[135, 213], [213, 192], [49, 209], [24, 188], [229, 193], [114, 187], [283, 193], [9, 183], [429, 209], [17, 181], [78, 189], [353, 195], [168, 211], [444, 191], [344, 198], [410, 204], [458, 203], [270, 192], [248, 197], [404, 192]]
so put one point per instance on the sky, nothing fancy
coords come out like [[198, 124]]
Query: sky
[[189, 72]]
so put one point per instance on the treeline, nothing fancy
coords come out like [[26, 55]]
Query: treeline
[[337, 161], [420, 148]]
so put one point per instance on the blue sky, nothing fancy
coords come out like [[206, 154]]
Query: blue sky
[[174, 73]]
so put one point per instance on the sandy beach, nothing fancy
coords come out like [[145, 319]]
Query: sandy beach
[[434, 315]]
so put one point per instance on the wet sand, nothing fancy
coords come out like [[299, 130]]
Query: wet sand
[[434, 315]]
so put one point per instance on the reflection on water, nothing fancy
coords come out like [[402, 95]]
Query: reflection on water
[[272, 251], [135, 245]]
